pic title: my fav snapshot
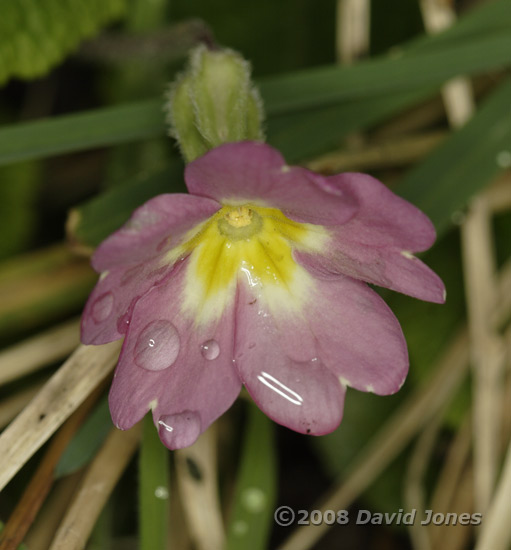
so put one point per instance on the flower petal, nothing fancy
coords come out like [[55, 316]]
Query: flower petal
[[153, 228], [302, 395], [359, 338], [108, 309], [184, 373], [375, 246], [251, 171], [384, 218], [389, 268]]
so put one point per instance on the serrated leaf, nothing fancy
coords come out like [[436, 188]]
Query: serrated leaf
[[35, 35]]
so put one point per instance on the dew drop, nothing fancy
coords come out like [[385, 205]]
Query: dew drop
[[240, 528], [504, 159], [161, 492], [210, 349], [157, 346], [253, 499], [102, 307], [179, 430]]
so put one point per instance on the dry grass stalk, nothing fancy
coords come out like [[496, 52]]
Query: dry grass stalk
[[414, 493], [449, 479], [14, 404], [41, 482], [480, 269], [387, 153], [39, 286], [457, 93], [457, 537], [97, 484], [407, 420], [39, 351], [496, 528], [353, 26], [59, 397], [486, 347], [196, 469], [43, 529], [499, 194], [502, 308]]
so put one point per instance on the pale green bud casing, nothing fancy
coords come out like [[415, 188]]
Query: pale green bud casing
[[213, 102]]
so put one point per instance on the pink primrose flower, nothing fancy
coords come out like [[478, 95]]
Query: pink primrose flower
[[257, 277]]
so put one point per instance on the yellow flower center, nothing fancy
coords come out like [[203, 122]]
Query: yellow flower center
[[248, 240], [240, 216]]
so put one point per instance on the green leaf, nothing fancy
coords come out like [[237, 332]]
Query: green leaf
[[291, 133], [87, 441], [443, 183], [487, 18], [358, 86], [153, 489], [96, 219], [254, 498], [329, 85], [95, 128], [17, 206], [35, 35]]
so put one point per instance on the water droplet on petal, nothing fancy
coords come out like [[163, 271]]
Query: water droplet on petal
[[210, 349], [157, 346], [179, 430], [102, 307]]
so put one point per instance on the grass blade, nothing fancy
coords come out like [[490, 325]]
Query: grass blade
[[464, 163], [153, 489], [254, 498]]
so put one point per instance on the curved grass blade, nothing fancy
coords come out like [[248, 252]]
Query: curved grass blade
[[444, 182], [77, 132], [254, 499], [153, 489]]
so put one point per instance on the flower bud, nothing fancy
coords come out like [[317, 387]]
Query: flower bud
[[213, 102]]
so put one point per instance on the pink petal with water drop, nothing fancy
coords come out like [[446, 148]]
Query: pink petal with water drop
[[302, 395], [108, 310], [164, 365]]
